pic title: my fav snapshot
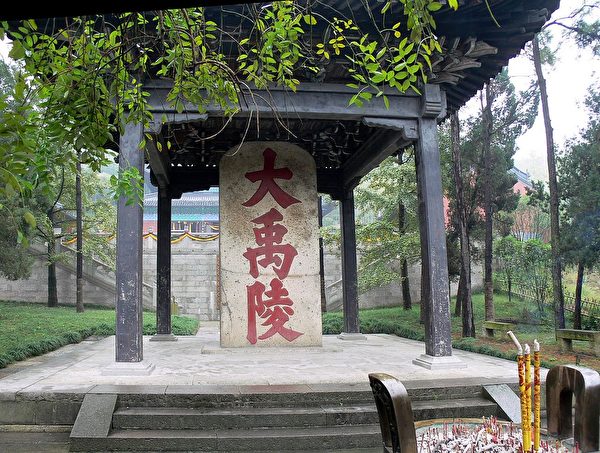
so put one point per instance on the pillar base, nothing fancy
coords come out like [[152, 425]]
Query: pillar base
[[142, 368], [163, 337], [439, 363], [352, 336]]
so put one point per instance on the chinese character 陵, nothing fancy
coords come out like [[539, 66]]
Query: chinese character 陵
[[276, 310]]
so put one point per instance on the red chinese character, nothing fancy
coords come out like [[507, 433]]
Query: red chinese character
[[267, 177], [276, 310], [269, 238]]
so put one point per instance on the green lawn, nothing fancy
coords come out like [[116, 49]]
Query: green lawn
[[529, 326], [28, 330], [591, 283]]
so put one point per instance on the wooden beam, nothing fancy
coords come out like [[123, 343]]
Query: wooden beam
[[160, 163], [311, 101], [70, 9], [392, 135]]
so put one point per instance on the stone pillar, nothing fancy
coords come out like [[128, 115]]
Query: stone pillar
[[129, 255], [163, 268], [434, 285], [349, 267], [269, 245]]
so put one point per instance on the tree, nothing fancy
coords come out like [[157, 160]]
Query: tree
[[15, 258], [508, 253], [579, 176], [488, 284], [388, 239], [530, 221], [16, 223], [87, 73], [79, 232], [486, 158], [536, 262], [557, 289], [587, 34], [464, 301], [55, 208], [576, 25]]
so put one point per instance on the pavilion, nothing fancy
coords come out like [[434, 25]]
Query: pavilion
[[346, 142]]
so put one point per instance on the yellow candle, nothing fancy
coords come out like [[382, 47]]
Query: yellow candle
[[536, 396], [527, 422], [522, 397], [521, 370]]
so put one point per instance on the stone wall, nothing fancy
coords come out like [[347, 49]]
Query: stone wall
[[194, 281], [193, 275], [98, 281], [387, 295]]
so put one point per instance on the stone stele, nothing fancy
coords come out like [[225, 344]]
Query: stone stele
[[284, 198]]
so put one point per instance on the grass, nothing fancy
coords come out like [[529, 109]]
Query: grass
[[27, 329], [591, 283], [529, 325]]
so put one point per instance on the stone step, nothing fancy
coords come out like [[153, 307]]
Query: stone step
[[267, 439], [418, 391], [242, 418], [258, 417], [454, 408]]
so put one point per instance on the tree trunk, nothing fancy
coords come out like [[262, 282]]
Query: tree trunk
[[463, 298], [321, 258], [79, 220], [578, 288], [460, 293], [406, 299], [52, 287], [487, 206], [557, 290]]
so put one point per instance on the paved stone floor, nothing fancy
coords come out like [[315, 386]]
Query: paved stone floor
[[199, 361], [199, 364]]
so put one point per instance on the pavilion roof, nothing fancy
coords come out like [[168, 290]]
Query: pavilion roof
[[477, 43], [346, 141]]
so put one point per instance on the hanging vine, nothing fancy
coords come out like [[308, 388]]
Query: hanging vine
[[86, 74]]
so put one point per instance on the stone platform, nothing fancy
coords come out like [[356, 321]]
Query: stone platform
[[41, 397], [200, 361]]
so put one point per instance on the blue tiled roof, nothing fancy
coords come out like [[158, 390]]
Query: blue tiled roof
[[204, 198], [521, 176], [185, 217]]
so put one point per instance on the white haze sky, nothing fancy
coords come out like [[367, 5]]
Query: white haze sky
[[568, 82]]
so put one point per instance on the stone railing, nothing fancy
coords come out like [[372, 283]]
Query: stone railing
[[95, 273]]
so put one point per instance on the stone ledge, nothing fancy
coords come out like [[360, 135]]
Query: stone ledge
[[439, 363]]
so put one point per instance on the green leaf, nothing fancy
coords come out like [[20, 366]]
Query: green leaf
[[453, 4], [378, 78], [386, 101], [17, 52], [310, 19], [434, 6], [30, 219]]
